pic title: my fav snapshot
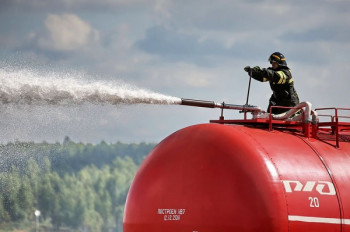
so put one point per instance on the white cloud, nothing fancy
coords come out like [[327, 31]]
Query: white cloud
[[67, 32]]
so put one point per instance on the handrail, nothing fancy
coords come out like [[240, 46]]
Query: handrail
[[335, 120], [327, 115], [336, 109]]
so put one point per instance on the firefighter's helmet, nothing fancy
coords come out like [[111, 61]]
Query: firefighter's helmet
[[278, 58]]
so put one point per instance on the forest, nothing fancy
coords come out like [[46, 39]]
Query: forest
[[74, 186]]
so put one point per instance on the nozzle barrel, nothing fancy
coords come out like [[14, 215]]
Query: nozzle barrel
[[211, 104], [198, 103]]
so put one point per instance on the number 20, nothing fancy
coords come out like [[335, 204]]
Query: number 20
[[314, 202]]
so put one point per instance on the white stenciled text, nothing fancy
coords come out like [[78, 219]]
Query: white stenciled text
[[171, 214]]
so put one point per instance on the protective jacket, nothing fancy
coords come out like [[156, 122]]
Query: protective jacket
[[282, 85]]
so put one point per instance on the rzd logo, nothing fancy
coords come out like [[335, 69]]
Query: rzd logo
[[322, 187]]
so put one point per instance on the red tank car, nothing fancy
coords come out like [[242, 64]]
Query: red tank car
[[245, 175]]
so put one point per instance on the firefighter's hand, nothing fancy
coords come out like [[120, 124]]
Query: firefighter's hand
[[247, 68], [256, 69]]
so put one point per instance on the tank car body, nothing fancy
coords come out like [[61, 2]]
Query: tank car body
[[242, 176]]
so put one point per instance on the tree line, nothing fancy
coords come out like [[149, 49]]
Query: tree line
[[75, 186]]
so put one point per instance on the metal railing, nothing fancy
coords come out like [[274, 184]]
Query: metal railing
[[334, 123]]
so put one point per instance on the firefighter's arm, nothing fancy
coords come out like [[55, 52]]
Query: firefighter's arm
[[256, 72], [278, 77]]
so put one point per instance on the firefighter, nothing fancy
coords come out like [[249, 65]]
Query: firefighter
[[281, 82]]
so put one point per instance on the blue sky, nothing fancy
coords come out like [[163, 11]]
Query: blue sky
[[191, 49]]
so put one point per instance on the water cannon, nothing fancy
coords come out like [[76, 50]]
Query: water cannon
[[256, 111], [210, 104], [223, 105]]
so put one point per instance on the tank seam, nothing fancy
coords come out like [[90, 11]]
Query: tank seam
[[340, 203], [278, 172]]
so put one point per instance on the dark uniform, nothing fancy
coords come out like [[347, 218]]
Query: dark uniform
[[281, 83]]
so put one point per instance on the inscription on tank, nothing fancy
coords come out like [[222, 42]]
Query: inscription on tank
[[171, 214], [322, 187]]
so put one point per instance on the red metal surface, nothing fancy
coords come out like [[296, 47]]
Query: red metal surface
[[225, 178]]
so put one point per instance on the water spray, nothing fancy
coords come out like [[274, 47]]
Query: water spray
[[25, 87]]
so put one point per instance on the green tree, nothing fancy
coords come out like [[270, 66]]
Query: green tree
[[4, 215], [33, 174], [10, 184], [92, 221], [26, 198]]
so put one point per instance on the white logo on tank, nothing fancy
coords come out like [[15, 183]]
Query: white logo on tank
[[322, 187]]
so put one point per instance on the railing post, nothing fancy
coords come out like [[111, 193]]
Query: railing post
[[307, 129], [222, 111], [336, 129], [270, 119]]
